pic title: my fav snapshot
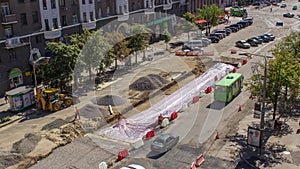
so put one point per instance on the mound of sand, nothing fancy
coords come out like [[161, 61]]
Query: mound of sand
[[27, 144], [107, 100], [8, 159], [149, 82], [93, 111]]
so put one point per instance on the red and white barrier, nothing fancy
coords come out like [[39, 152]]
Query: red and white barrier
[[193, 166], [199, 160]]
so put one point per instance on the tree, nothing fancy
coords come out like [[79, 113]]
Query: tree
[[58, 72], [187, 24], [210, 14], [283, 73], [95, 53], [119, 50], [166, 37], [139, 39]]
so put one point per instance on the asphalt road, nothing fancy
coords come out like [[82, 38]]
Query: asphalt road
[[201, 120]]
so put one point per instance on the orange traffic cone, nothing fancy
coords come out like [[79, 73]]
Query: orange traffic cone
[[217, 136], [240, 108]]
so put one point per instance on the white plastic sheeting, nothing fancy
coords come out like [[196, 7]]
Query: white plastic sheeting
[[134, 128]]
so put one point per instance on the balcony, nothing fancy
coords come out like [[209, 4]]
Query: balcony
[[14, 43], [9, 19], [149, 10], [167, 6], [123, 17], [88, 25], [52, 34]]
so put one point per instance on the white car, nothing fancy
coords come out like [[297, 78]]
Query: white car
[[133, 166]]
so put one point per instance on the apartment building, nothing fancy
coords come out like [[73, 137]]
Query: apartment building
[[28, 25]]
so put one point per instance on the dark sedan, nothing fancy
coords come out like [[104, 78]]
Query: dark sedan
[[265, 39], [252, 42], [258, 39], [214, 39], [288, 15], [164, 143], [271, 37], [176, 44]]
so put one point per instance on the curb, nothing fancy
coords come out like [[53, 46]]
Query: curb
[[10, 121]]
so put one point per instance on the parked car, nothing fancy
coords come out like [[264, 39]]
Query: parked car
[[228, 30], [164, 142], [133, 166], [271, 37], [242, 44], [220, 35], [249, 20], [294, 7], [252, 42], [176, 44], [233, 29], [265, 39], [206, 41], [244, 23], [236, 26], [258, 39], [288, 15], [214, 39], [282, 5], [221, 31]]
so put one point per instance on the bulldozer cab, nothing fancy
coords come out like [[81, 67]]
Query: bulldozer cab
[[51, 94]]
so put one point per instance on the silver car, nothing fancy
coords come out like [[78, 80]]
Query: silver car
[[164, 142]]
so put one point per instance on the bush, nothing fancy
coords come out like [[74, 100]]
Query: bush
[[5, 119]]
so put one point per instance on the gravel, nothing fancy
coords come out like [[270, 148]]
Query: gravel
[[92, 111], [27, 144], [8, 159], [149, 82], [107, 100]]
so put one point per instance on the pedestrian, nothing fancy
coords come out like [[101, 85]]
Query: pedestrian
[[77, 112], [5, 98], [270, 9]]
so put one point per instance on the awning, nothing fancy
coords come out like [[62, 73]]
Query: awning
[[15, 72], [201, 21]]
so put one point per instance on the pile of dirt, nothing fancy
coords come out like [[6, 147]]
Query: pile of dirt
[[8, 159], [55, 124], [27, 144], [149, 82], [107, 100], [93, 111], [65, 134]]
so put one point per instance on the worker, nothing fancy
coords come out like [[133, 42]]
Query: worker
[[77, 112], [160, 119]]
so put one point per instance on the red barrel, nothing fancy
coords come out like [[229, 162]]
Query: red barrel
[[195, 99], [174, 115], [122, 154]]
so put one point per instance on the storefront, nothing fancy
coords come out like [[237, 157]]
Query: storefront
[[15, 78], [20, 98]]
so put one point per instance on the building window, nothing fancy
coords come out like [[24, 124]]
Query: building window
[[125, 9], [44, 4], [74, 19], [35, 18], [120, 10], [38, 39], [62, 3], [74, 2], [47, 24], [91, 16], [8, 31], [91, 1], [84, 17], [53, 5], [12, 55], [132, 6], [5, 9], [23, 19], [55, 23], [99, 13], [64, 20], [83, 2], [107, 11], [21, 1], [32, 0]]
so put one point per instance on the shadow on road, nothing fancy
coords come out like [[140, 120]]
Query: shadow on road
[[155, 155], [216, 105]]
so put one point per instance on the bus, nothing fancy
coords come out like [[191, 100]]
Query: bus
[[238, 12], [228, 87]]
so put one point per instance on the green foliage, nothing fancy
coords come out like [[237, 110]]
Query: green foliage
[[5, 119], [210, 14], [166, 36]]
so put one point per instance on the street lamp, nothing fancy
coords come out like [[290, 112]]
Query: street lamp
[[41, 60], [262, 118]]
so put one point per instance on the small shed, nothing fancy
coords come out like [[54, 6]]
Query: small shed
[[21, 98]]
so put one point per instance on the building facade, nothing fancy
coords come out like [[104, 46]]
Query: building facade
[[28, 25]]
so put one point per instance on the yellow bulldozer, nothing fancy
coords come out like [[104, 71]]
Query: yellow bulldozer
[[50, 99]]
